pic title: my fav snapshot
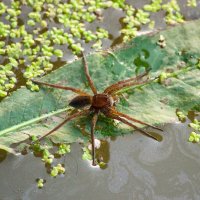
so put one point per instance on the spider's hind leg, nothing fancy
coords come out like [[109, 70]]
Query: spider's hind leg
[[133, 119], [113, 115]]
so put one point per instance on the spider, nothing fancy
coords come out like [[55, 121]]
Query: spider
[[100, 103]]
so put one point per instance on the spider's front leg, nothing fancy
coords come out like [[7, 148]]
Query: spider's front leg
[[126, 83], [90, 81], [93, 125], [73, 116]]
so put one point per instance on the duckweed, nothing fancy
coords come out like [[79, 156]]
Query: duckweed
[[192, 3], [3, 8], [63, 149], [173, 14], [47, 157], [40, 183], [155, 6], [52, 22], [194, 137], [59, 169], [195, 125], [54, 172], [181, 116]]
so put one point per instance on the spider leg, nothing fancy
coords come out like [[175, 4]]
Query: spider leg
[[77, 114], [112, 115], [124, 85], [62, 87], [116, 85], [94, 90], [93, 125], [133, 119]]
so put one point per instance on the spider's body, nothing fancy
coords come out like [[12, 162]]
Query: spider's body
[[80, 101], [100, 102]]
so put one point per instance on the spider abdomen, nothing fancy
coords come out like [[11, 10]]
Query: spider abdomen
[[80, 101], [101, 101]]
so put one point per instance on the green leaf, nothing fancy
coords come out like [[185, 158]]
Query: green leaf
[[25, 113]]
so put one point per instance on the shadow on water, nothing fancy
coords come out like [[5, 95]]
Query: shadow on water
[[137, 168], [159, 137], [3, 155]]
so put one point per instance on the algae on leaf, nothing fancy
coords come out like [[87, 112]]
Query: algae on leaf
[[24, 112]]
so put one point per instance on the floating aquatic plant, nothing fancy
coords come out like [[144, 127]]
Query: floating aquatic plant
[[192, 3], [38, 36]]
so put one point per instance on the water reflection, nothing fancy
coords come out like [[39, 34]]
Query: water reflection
[[138, 168], [103, 154], [3, 155]]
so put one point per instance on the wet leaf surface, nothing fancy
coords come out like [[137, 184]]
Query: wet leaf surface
[[25, 113]]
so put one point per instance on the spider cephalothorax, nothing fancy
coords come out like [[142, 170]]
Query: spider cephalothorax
[[100, 103]]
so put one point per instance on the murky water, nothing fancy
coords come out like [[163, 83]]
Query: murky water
[[139, 168]]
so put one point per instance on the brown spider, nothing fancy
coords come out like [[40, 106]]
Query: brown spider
[[100, 103]]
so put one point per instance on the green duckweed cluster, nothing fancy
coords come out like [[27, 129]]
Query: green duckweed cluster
[[63, 149], [194, 136], [195, 125], [49, 158], [192, 3], [173, 14], [58, 169], [86, 154], [155, 6], [181, 116], [37, 42], [40, 183], [30, 45], [133, 20]]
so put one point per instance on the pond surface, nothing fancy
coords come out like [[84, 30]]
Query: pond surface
[[139, 168]]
